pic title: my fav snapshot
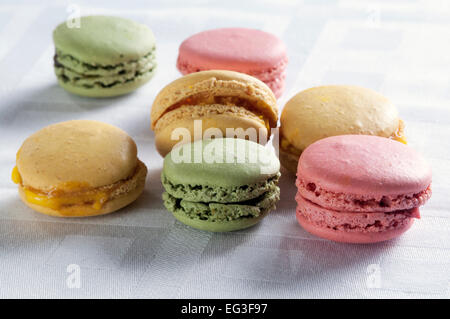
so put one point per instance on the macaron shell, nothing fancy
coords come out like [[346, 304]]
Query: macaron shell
[[216, 83], [368, 203], [354, 237], [105, 92], [87, 210], [238, 49], [232, 225], [164, 141], [250, 163], [366, 165], [104, 40], [332, 110], [276, 85], [273, 77], [89, 152]]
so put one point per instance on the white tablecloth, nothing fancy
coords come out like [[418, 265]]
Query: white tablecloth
[[400, 48]]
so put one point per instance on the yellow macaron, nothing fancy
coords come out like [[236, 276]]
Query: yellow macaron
[[331, 110], [79, 168], [219, 99]]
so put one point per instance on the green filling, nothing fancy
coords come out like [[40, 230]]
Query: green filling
[[218, 212], [69, 69], [66, 60], [196, 193]]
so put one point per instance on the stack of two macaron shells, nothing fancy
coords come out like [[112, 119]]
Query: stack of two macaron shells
[[233, 187], [219, 100], [360, 188], [79, 168], [104, 56]]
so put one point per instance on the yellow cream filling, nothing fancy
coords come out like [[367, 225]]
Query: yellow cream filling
[[256, 107], [401, 139], [60, 196], [399, 134], [97, 199], [15, 176]]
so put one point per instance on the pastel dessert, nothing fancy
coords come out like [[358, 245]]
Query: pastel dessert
[[79, 168], [332, 110], [213, 99], [220, 184], [255, 52], [105, 56], [360, 188]]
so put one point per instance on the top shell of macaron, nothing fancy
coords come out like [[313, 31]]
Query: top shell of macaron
[[217, 83], [81, 152], [332, 110], [223, 162], [364, 165], [104, 40], [239, 49]]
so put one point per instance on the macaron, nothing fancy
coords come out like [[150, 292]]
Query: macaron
[[78, 168], [213, 100], [221, 184], [360, 188], [255, 52], [331, 110], [105, 56]]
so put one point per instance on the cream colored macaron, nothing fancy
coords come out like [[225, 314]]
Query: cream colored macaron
[[79, 168], [331, 110], [218, 99]]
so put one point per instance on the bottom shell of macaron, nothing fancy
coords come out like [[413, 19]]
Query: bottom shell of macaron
[[91, 202], [222, 217], [353, 227], [99, 91]]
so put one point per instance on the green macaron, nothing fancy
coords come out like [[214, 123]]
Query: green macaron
[[222, 184], [103, 56]]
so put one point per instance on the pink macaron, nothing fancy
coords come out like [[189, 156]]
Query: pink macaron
[[360, 188], [254, 52]]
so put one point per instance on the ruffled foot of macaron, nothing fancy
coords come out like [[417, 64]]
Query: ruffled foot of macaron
[[360, 188]]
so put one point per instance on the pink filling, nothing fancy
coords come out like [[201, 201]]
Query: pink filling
[[353, 221], [360, 203]]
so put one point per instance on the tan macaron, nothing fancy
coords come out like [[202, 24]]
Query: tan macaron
[[79, 168], [219, 99], [331, 110]]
